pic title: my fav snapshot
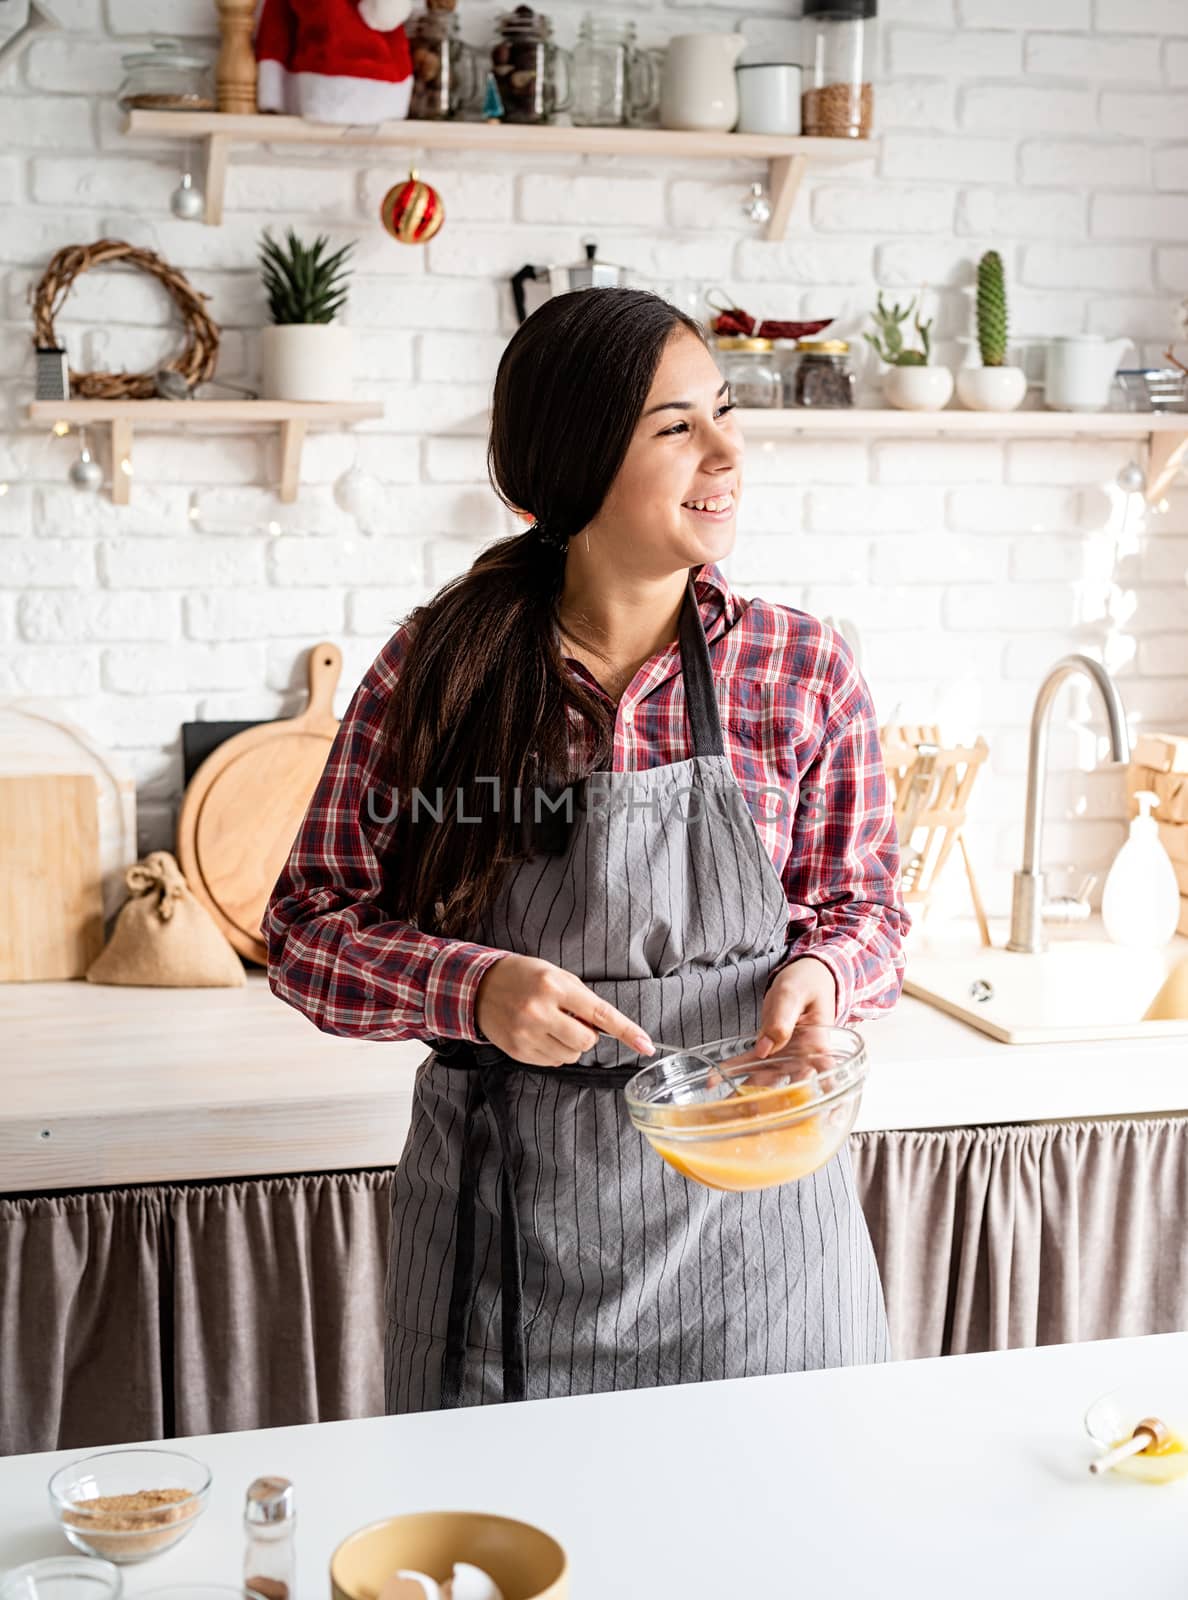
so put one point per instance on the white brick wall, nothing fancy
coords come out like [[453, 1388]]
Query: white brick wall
[[1053, 132]]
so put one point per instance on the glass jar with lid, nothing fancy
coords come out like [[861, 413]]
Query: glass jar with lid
[[749, 367], [613, 82], [532, 73], [166, 77], [820, 377], [838, 43], [447, 79]]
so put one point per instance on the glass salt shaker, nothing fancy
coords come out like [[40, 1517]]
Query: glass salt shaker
[[269, 1523]]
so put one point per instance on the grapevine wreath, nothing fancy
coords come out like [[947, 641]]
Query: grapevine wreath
[[195, 363]]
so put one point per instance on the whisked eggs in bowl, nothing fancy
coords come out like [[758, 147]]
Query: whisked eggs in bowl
[[731, 1120]]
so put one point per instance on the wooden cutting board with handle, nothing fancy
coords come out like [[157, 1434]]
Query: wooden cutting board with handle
[[36, 740], [243, 807], [51, 880]]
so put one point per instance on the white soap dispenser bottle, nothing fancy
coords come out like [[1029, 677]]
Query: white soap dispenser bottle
[[1140, 904]]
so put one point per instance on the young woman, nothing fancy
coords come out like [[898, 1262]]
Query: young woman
[[586, 801]]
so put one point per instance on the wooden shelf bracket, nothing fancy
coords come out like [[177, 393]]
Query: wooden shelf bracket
[[785, 174], [1164, 460], [218, 148]]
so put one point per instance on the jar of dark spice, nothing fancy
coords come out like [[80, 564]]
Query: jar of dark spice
[[269, 1523], [447, 79], [819, 377], [532, 73]]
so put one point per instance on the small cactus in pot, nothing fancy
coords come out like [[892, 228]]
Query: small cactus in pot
[[994, 386], [910, 383]]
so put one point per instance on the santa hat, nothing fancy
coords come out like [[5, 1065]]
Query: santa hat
[[334, 60]]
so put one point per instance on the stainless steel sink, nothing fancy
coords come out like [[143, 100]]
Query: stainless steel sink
[[1077, 988]]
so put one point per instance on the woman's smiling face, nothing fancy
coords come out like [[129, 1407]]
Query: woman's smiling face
[[674, 501]]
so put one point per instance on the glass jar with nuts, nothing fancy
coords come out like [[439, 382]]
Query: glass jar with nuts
[[447, 78], [532, 73]]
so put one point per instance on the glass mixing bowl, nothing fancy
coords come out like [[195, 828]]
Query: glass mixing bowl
[[794, 1111], [98, 1502]]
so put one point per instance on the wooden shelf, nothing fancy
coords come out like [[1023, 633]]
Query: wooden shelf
[[294, 418], [1165, 433], [787, 158]]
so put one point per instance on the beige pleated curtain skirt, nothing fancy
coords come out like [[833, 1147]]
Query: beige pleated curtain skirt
[[181, 1309]]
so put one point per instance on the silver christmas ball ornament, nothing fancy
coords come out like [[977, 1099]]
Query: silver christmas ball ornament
[[1131, 478], [86, 473], [757, 206], [187, 202]]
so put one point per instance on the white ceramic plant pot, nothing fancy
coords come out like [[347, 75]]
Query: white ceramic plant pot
[[917, 388], [306, 361], [991, 388]]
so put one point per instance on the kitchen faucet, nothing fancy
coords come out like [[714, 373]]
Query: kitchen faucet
[[1028, 903]]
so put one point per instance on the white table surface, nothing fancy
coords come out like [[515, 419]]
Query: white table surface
[[960, 1477], [104, 1085]]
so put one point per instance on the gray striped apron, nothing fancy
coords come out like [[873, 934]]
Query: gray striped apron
[[539, 1247]]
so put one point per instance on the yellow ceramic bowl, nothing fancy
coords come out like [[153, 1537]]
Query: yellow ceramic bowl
[[524, 1561], [793, 1112]]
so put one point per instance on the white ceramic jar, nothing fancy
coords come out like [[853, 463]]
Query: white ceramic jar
[[768, 97], [697, 87], [306, 361]]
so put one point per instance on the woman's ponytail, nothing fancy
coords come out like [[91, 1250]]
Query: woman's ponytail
[[480, 714]]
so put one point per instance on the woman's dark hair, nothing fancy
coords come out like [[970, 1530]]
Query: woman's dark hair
[[484, 691]]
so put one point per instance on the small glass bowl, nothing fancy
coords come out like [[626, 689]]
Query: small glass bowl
[[1113, 1417], [796, 1109], [127, 1536], [62, 1578], [200, 1591]]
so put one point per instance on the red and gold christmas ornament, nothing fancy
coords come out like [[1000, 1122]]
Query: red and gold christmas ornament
[[412, 211]]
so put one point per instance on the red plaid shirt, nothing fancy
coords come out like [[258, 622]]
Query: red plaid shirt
[[801, 736]]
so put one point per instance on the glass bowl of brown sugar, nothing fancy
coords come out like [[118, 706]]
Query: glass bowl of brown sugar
[[129, 1505]]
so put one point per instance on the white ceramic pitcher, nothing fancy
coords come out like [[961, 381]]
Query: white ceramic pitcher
[[697, 88], [1079, 369]]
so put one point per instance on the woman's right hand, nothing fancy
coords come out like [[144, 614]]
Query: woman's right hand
[[542, 1015]]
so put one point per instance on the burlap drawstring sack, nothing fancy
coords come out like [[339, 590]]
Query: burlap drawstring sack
[[163, 937]]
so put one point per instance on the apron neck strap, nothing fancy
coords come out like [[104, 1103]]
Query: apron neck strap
[[700, 700]]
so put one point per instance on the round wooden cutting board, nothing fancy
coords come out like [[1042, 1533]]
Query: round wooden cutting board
[[245, 803]]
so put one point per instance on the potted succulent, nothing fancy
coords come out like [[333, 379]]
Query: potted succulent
[[306, 354], [910, 383], [993, 386]]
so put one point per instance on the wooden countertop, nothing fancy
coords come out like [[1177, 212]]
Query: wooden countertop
[[106, 1086], [915, 1480]]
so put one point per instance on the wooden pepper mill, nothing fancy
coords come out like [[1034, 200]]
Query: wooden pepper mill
[[235, 70]]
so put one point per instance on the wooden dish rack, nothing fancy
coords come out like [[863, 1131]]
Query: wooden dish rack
[[930, 786]]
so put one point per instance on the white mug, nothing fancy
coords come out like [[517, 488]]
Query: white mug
[[768, 97]]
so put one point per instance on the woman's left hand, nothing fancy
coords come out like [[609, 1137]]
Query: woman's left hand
[[802, 992]]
